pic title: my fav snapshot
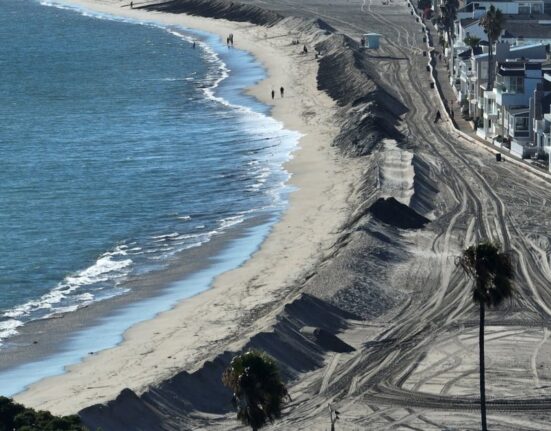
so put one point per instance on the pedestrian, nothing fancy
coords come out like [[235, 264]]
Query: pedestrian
[[305, 50], [281, 91], [193, 44], [273, 94], [438, 117], [131, 5]]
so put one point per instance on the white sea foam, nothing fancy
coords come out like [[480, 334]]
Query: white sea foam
[[108, 266], [231, 221], [9, 328], [165, 237]]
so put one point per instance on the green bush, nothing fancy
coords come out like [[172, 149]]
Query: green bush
[[258, 392], [15, 417]]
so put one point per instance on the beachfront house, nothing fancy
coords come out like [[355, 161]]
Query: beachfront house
[[508, 110], [471, 81], [475, 9], [471, 72], [528, 31], [526, 24], [541, 123]]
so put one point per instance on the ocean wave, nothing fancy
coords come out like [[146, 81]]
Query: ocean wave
[[232, 221], [109, 266], [165, 237], [9, 328]]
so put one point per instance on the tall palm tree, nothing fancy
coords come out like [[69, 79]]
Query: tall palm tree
[[492, 272], [448, 14], [258, 393], [492, 22]]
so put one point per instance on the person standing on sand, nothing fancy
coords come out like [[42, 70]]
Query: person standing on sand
[[438, 117], [281, 91], [131, 5], [273, 94]]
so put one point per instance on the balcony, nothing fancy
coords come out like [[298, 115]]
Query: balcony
[[491, 115], [522, 134]]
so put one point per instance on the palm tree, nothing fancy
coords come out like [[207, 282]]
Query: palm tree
[[492, 272], [448, 13], [472, 42], [258, 393], [492, 22]]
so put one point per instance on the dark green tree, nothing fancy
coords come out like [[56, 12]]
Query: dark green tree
[[492, 22], [448, 14], [472, 42], [258, 392], [16, 417], [492, 273]]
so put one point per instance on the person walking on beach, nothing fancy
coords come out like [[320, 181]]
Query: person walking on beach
[[281, 91], [438, 117], [131, 5], [273, 94]]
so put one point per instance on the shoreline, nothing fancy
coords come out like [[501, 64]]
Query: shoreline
[[199, 327], [43, 347]]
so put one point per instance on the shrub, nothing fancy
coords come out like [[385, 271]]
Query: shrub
[[258, 393], [15, 417]]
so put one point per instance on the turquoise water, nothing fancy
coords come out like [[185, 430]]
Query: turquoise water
[[120, 147]]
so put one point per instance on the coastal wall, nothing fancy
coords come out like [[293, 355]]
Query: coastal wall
[[186, 400], [370, 112], [219, 9]]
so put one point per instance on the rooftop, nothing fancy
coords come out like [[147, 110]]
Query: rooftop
[[465, 55], [520, 29]]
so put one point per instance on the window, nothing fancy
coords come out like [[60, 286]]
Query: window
[[516, 84], [524, 9], [521, 123]]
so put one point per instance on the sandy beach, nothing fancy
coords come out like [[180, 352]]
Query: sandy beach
[[244, 301], [385, 201]]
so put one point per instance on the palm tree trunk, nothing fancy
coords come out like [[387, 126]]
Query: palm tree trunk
[[482, 377], [490, 84]]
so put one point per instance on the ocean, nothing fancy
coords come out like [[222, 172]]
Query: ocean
[[123, 147]]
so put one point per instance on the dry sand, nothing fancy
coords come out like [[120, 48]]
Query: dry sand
[[242, 301]]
